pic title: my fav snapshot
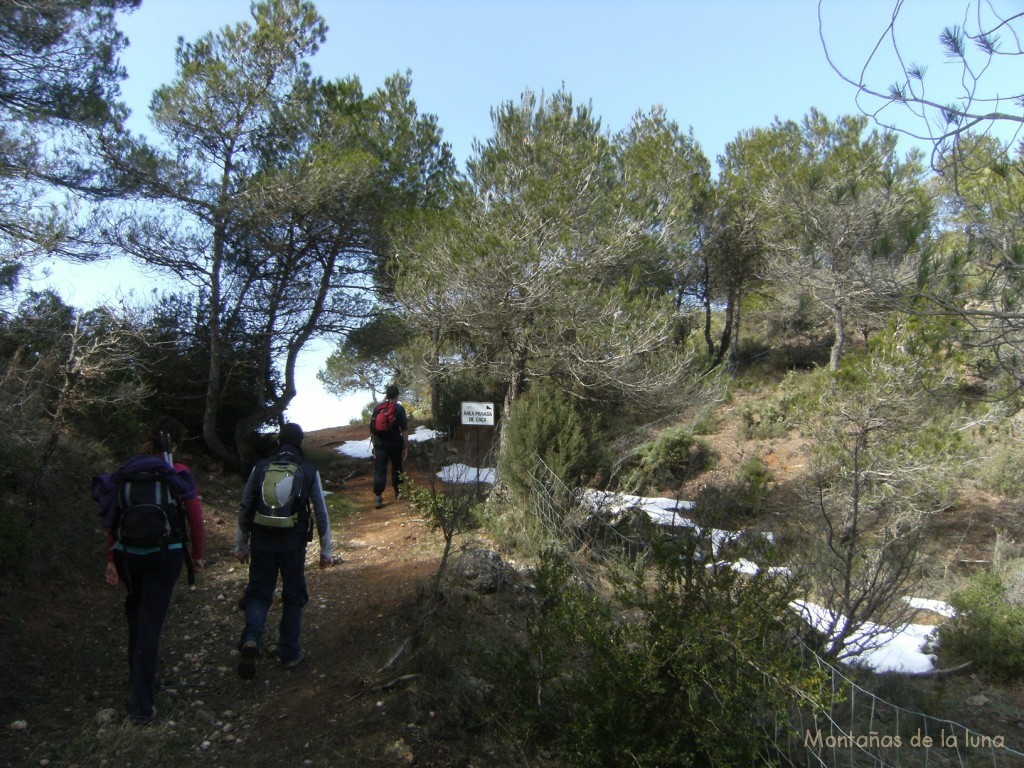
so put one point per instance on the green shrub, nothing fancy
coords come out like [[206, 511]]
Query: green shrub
[[730, 502], [671, 459], [764, 419], [988, 629], [546, 424], [708, 422], [685, 666], [754, 479], [1003, 472], [450, 513], [515, 528]]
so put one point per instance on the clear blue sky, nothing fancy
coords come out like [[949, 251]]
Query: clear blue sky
[[718, 66]]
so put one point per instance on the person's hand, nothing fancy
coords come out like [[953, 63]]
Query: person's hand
[[198, 564], [242, 556], [329, 562], [112, 579]]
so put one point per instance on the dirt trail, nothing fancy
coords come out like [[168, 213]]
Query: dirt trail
[[360, 614], [62, 646], [332, 710]]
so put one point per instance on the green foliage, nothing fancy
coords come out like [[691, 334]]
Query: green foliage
[[450, 513], [707, 422], [754, 479], [769, 416], [465, 385], [1002, 472], [684, 667], [178, 348], [547, 425], [575, 276], [875, 394], [516, 527], [988, 629], [48, 524], [800, 317], [368, 358], [765, 419], [303, 182], [59, 78], [729, 502], [75, 389], [70, 372], [882, 458], [675, 456]]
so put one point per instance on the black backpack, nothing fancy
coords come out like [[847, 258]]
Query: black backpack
[[147, 514]]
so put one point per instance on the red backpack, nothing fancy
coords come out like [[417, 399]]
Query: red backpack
[[384, 420]]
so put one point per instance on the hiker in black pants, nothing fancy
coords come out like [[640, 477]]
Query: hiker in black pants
[[278, 546], [389, 430], [148, 569]]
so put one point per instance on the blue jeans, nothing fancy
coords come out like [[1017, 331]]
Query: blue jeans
[[259, 594], [150, 581]]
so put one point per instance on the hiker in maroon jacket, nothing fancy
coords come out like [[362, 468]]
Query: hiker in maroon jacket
[[149, 572], [389, 430]]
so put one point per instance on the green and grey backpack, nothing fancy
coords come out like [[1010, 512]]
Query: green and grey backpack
[[279, 503]]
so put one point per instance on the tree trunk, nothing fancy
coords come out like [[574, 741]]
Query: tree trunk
[[516, 382], [213, 382], [710, 342], [270, 404], [435, 386], [734, 354], [840, 340], [727, 332], [211, 413]]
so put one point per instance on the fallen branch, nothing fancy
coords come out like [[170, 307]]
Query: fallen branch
[[396, 655], [943, 672], [385, 685]]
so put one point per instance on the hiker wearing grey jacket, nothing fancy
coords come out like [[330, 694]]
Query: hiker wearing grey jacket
[[279, 550]]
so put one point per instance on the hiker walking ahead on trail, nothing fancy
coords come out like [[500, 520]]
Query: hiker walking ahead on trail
[[151, 515], [274, 525], [389, 430]]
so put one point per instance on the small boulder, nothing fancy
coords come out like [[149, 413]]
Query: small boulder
[[482, 570]]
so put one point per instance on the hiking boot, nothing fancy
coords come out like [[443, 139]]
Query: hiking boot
[[378, 502], [139, 718], [293, 663], [247, 660]]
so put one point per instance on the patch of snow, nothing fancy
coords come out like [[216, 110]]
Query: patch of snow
[[878, 647], [357, 449], [933, 606], [422, 434], [750, 568], [460, 473], [363, 449], [661, 511]]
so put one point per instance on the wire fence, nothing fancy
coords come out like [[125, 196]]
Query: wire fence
[[860, 728], [857, 729]]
